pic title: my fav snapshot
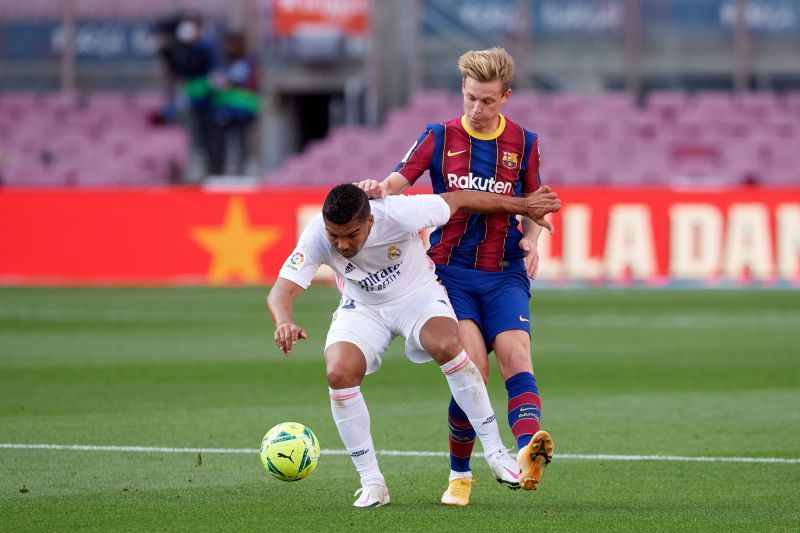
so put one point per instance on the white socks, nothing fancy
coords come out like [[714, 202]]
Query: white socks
[[352, 417], [459, 475], [352, 420], [469, 391]]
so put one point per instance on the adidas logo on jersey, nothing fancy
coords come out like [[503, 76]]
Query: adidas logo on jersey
[[349, 268], [478, 183]]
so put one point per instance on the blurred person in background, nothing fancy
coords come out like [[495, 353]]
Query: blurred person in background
[[484, 261], [189, 55], [234, 105], [166, 43]]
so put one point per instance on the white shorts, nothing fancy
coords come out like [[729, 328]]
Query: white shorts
[[372, 328]]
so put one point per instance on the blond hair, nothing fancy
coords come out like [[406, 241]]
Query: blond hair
[[488, 65]]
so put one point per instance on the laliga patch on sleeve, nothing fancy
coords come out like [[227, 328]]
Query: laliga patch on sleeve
[[296, 261]]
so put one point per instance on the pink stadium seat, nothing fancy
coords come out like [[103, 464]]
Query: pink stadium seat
[[62, 102], [67, 138], [113, 103], [730, 128], [717, 101], [781, 128], [706, 138], [18, 104], [615, 100], [31, 172], [667, 99], [757, 105], [641, 127], [791, 104], [434, 102], [703, 137], [148, 101], [586, 129], [553, 130]]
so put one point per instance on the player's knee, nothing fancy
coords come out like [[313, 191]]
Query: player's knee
[[514, 363], [342, 378], [445, 347]]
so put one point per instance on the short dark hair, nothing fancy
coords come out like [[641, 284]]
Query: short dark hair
[[345, 203]]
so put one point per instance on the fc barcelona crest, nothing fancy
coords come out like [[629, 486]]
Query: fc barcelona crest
[[510, 159]]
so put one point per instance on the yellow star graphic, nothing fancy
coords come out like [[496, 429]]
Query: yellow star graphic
[[236, 245]]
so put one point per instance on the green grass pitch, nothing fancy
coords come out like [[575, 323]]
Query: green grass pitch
[[640, 372]]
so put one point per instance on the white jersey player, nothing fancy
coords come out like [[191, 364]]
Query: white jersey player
[[389, 288]]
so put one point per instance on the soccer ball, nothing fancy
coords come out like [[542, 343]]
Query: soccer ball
[[289, 451]]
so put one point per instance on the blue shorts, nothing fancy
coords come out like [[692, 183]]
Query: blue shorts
[[495, 301]]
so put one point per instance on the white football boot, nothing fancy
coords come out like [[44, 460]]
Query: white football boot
[[504, 468], [372, 496]]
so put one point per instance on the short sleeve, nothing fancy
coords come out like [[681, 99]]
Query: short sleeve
[[312, 250], [418, 158], [531, 180], [417, 212]]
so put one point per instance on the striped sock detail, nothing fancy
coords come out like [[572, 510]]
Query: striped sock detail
[[462, 438], [524, 407], [457, 363], [341, 395]]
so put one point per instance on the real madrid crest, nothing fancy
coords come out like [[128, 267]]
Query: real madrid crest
[[393, 252], [510, 159]]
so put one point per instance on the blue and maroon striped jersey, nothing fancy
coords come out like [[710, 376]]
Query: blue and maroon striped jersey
[[504, 162]]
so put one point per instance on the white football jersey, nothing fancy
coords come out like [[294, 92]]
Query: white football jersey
[[393, 261]]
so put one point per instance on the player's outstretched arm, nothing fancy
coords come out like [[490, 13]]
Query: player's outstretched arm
[[279, 303], [395, 183], [534, 206]]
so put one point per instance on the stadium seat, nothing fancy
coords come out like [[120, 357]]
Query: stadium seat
[[706, 138], [78, 139], [719, 136]]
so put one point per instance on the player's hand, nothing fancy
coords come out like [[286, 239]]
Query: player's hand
[[531, 257], [372, 188], [286, 335], [539, 204]]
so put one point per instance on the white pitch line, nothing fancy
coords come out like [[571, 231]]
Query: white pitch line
[[128, 449], [395, 453], [694, 320]]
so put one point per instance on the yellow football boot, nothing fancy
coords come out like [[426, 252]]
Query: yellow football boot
[[533, 459], [458, 491]]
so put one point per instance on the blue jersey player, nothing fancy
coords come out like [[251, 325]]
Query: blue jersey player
[[485, 261]]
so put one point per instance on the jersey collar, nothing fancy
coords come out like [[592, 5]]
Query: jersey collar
[[484, 136]]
